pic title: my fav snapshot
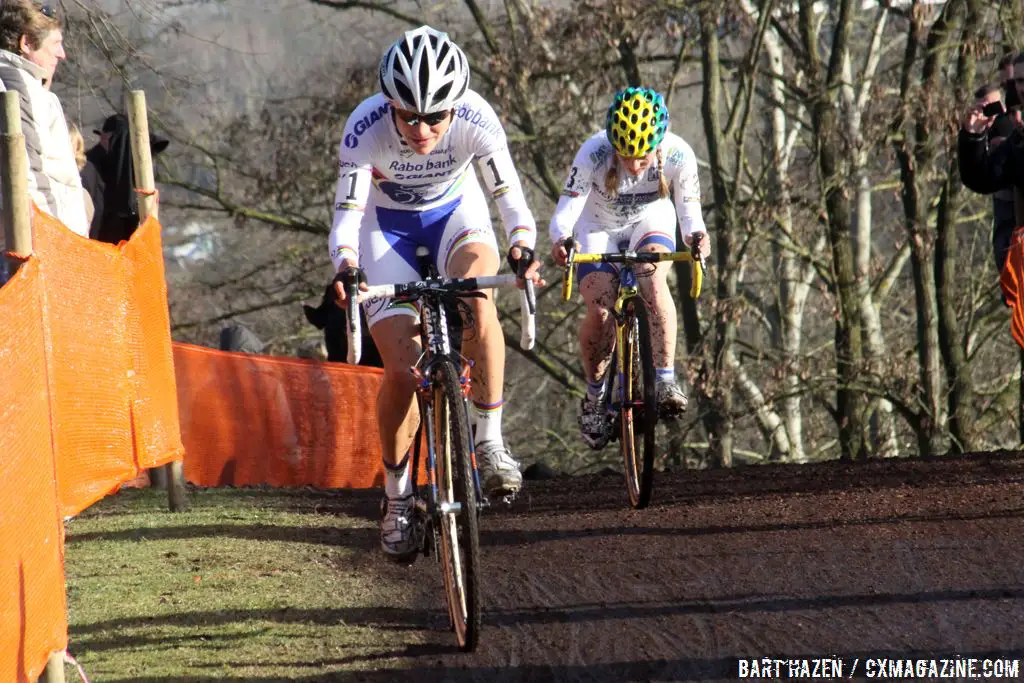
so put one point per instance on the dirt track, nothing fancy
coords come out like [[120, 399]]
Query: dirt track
[[899, 559]]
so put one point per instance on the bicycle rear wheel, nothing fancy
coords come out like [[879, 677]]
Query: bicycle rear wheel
[[457, 501], [639, 407]]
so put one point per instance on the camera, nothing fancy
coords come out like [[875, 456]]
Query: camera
[[993, 108]]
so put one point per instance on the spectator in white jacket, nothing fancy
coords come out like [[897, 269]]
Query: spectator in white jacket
[[31, 46]]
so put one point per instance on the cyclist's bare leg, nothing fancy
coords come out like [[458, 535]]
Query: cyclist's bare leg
[[654, 289], [397, 338], [597, 332], [482, 341]]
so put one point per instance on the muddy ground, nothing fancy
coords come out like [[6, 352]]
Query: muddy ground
[[883, 559]]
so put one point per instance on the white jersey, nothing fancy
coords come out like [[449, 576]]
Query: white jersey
[[378, 170], [584, 198]]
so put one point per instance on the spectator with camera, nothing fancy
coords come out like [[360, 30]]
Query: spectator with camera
[[991, 149]]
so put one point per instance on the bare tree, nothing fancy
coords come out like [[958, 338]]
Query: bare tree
[[825, 135]]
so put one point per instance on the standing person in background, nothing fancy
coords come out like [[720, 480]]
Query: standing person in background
[[78, 147], [1004, 218], [112, 188], [990, 150], [31, 46]]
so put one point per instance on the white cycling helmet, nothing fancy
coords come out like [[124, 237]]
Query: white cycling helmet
[[424, 72]]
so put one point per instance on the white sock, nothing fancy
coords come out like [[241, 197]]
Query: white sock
[[595, 390], [487, 422], [397, 482], [666, 374]]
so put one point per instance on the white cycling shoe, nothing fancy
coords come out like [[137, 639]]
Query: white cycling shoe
[[398, 537], [499, 471]]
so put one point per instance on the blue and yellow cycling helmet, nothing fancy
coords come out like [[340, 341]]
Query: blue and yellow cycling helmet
[[637, 121]]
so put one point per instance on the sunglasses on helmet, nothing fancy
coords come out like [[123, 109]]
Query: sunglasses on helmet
[[411, 118]]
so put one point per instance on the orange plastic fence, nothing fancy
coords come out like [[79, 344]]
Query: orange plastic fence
[[110, 367], [89, 399], [32, 604], [248, 420]]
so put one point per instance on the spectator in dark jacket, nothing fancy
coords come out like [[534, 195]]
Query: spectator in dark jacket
[[112, 187], [1003, 213], [991, 150]]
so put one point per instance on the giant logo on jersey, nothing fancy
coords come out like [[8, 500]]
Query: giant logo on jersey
[[363, 124]]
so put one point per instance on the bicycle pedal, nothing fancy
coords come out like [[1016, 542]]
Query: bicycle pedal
[[489, 501], [509, 498]]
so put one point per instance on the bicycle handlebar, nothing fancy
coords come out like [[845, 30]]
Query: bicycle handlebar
[[631, 257], [350, 279], [414, 290], [355, 334]]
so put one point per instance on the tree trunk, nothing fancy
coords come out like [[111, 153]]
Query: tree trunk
[[834, 175], [881, 441], [958, 375], [719, 390], [915, 149], [793, 283]]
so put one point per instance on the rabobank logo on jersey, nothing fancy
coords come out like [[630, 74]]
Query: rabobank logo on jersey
[[475, 117], [363, 125]]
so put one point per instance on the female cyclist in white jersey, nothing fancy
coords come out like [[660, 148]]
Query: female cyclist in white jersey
[[629, 185], [406, 180]]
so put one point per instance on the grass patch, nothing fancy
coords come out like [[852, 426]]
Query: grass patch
[[255, 585]]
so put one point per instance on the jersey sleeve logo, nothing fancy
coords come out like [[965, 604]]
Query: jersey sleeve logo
[[476, 118], [363, 125]]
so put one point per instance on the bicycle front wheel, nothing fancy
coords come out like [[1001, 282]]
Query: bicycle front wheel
[[457, 503], [639, 405]]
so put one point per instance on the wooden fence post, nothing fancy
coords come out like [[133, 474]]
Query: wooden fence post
[[142, 161], [54, 672], [17, 216], [17, 210]]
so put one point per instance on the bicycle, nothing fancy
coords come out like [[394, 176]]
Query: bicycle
[[448, 506], [630, 391]]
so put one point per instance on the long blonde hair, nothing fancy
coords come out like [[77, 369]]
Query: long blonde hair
[[77, 145], [611, 179]]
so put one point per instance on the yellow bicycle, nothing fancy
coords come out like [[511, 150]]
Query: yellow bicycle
[[630, 392]]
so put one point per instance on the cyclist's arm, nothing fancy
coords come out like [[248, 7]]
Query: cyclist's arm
[[349, 204], [573, 198], [485, 139], [502, 182], [682, 174]]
